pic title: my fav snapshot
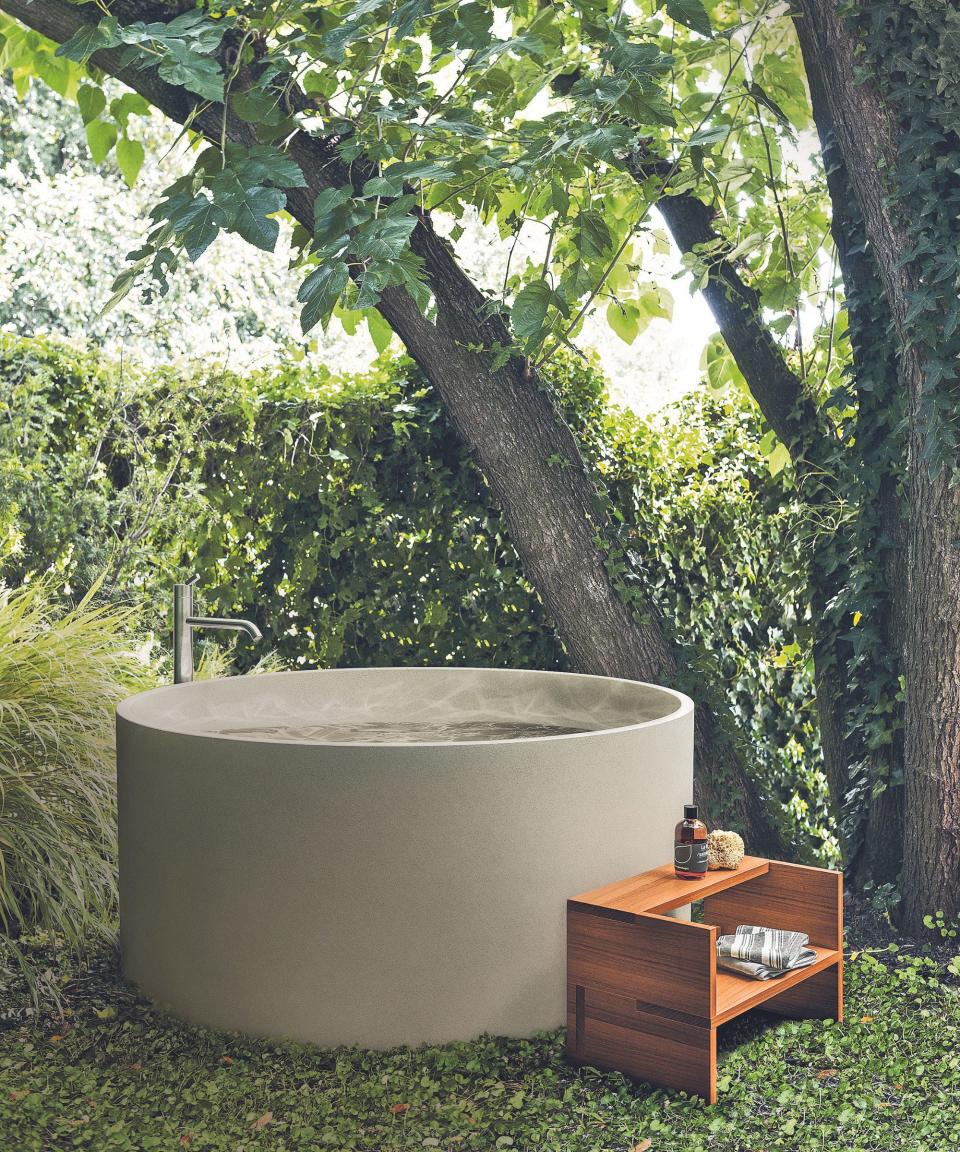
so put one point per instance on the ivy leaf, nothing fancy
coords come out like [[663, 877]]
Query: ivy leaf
[[130, 156], [691, 13], [185, 68], [320, 292], [530, 309], [101, 137], [89, 39], [91, 102], [247, 211]]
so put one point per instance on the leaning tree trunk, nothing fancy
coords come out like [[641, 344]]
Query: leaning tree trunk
[[790, 409], [869, 135], [553, 511]]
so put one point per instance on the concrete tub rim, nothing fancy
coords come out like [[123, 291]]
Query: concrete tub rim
[[129, 709]]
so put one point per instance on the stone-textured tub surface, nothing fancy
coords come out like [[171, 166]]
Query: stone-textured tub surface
[[382, 856]]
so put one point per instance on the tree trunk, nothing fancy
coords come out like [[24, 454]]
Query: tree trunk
[[869, 135], [879, 536], [553, 510]]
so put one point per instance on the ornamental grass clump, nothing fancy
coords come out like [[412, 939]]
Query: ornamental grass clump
[[61, 676]]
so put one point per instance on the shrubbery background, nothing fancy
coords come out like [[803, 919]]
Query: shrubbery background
[[345, 518]]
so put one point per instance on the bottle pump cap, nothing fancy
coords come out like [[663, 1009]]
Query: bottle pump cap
[[690, 811]]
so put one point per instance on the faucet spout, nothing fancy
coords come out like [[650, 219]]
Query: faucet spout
[[184, 623], [221, 622]]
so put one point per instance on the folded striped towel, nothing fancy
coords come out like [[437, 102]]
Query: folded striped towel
[[764, 953]]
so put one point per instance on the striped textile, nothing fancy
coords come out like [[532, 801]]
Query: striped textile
[[763, 953]]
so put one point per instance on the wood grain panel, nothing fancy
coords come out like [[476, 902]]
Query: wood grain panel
[[645, 1046], [660, 891], [655, 959], [789, 896]]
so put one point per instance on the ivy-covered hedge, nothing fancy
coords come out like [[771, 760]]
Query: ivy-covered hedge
[[345, 517]]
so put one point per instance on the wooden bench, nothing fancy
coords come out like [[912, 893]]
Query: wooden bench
[[644, 996]]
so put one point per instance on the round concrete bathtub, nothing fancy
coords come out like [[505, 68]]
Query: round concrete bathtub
[[382, 856]]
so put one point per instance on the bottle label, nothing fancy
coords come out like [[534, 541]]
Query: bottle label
[[690, 857]]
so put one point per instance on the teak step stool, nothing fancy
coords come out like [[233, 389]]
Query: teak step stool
[[644, 996]]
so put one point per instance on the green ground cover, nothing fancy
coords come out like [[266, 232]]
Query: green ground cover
[[114, 1073]]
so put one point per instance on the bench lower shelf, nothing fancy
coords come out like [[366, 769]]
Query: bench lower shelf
[[738, 994]]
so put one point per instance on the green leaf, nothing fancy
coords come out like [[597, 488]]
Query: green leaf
[[320, 292], [768, 102], [391, 182], [529, 309], [655, 302], [101, 137], [193, 27], [778, 459], [624, 318], [380, 331], [385, 238], [197, 222], [264, 164], [90, 38], [690, 13], [258, 106], [130, 156], [127, 105], [91, 102], [710, 135], [247, 211], [185, 68]]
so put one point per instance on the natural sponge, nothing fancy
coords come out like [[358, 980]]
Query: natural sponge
[[724, 850]]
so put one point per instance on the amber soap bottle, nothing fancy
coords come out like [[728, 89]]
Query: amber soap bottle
[[690, 846]]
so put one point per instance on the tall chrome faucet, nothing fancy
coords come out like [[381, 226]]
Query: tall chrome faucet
[[184, 623]]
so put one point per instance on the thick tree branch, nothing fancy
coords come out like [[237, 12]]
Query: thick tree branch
[[786, 404]]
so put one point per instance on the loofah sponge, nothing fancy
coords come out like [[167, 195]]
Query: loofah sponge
[[724, 850]]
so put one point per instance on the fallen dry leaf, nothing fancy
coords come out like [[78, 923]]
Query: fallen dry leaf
[[226, 1059], [866, 1019], [644, 1145], [136, 1067], [19, 1093], [263, 1121], [185, 1139], [396, 1109], [822, 1075], [56, 1039]]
